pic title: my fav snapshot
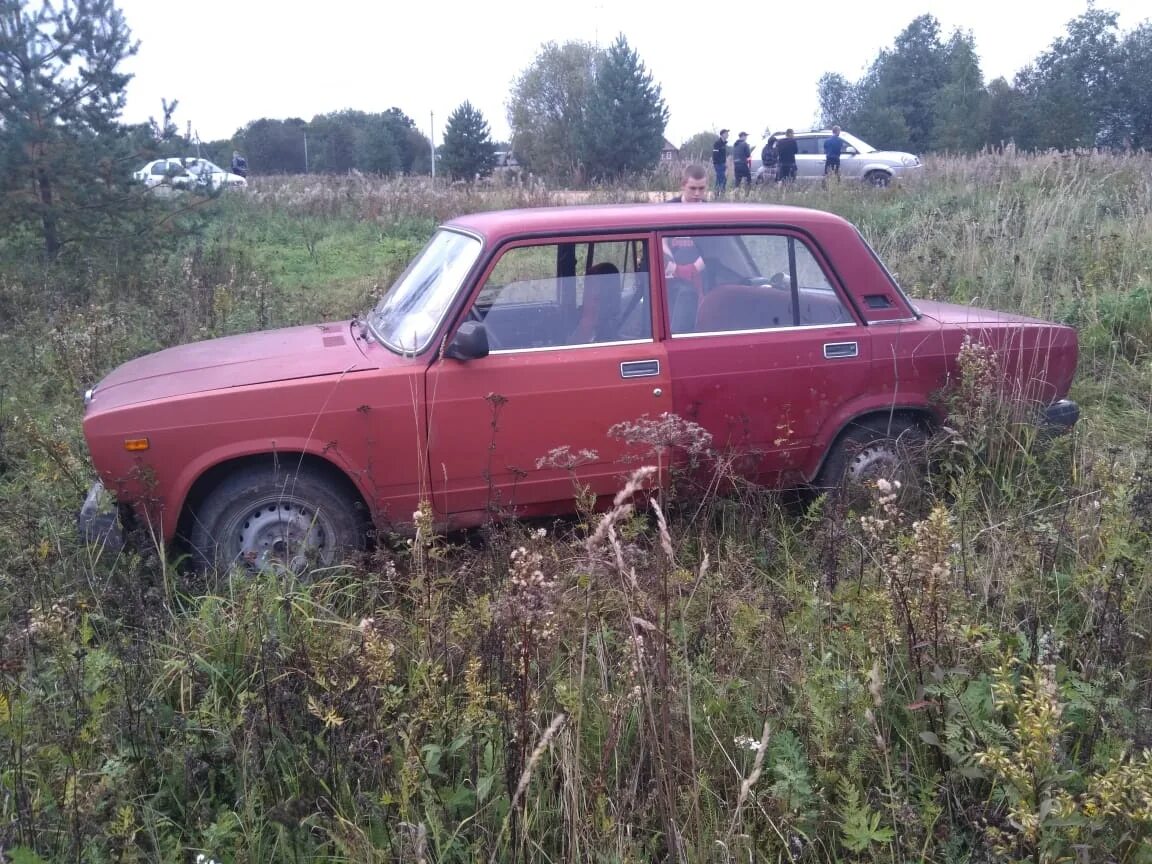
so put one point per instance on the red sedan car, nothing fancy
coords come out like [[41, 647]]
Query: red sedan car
[[775, 329]]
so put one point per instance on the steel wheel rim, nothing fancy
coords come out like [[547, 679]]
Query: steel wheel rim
[[875, 463], [281, 533]]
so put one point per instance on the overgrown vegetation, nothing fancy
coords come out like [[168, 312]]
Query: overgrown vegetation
[[956, 675]]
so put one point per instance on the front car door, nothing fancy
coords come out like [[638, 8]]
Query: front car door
[[769, 353], [573, 353]]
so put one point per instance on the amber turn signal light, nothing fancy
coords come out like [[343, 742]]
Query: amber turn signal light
[[135, 444]]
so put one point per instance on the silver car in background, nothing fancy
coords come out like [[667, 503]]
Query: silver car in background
[[858, 161]]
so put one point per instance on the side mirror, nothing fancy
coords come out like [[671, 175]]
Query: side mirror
[[851, 151], [469, 343]]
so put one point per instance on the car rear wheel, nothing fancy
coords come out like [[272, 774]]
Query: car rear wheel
[[266, 517], [868, 451]]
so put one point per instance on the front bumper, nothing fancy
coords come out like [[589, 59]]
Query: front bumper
[[99, 521], [1061, 416]]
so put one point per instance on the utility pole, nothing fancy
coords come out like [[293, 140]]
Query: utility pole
[[432, 141]]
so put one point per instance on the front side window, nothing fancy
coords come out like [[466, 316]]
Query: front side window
[[724, 283], [566, 295]]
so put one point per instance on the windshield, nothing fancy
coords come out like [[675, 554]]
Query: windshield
[[406, 318]]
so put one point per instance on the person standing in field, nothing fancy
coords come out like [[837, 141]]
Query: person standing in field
[[720, 161], [742, 161], [768, 160], [786, 150], [833, 147]]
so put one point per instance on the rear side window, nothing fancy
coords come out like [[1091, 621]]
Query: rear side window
[[809, 146], [741, 282]]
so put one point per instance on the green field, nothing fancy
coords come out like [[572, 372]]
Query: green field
[[963, 674]]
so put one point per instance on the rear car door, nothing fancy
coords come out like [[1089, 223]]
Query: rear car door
[[772, 350], [573, 353], [810, 157]]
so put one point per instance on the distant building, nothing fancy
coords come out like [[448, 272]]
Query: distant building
[[669, 151]]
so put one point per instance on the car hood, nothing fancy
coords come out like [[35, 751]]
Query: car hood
[[233, 361]]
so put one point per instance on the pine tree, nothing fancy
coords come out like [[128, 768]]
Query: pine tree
[[63, 162], [468, 150], [623, 128]]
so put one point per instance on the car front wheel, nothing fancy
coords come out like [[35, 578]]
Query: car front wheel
[[877, 178], [268, 517]]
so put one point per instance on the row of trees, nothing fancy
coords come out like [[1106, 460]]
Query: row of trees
[[387, 143], [1091, 88], [338, 142]]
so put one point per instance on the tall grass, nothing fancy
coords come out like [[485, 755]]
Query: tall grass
[[961, 675]]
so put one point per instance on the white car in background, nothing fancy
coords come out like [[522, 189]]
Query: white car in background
[[859, 160], [189, 172]]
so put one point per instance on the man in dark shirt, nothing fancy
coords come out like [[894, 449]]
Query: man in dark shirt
[[786, 149], [720, 161], [833, 147], [742, 161]]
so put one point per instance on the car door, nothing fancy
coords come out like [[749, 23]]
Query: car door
[[573, 354], [810, 158], [851, 162], [773, 350]]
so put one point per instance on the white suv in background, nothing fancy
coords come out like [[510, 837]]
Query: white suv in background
[[859, 160]]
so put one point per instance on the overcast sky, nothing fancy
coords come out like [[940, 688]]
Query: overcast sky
[[744, 66]]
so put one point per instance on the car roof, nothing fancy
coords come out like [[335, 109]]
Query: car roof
[[594, 218]]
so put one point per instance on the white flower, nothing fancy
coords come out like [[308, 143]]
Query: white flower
[[746, 743]]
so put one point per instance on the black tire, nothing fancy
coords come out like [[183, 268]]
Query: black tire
[[267, 516], [871, 450], [878, 179]]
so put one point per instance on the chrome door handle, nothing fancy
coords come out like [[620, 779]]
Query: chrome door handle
[[839, 350], [639, 368]]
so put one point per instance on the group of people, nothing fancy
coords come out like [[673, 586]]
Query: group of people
[[778, 153]]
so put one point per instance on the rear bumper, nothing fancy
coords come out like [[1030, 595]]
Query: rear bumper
[[1061, 416], [98, 521]]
